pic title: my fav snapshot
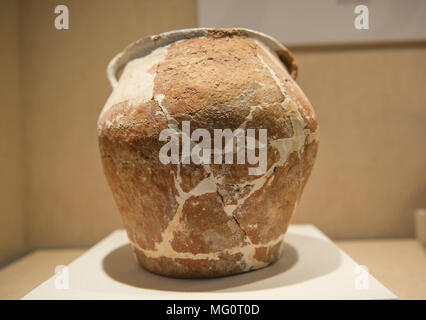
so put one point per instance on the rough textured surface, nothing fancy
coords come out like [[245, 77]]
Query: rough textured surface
[[206, 220]]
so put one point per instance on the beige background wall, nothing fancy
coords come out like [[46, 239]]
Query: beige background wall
[[64, 88], [371, 104], [12, 236], [370, 101]]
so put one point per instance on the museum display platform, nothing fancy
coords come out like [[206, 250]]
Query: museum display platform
[[311, 267]]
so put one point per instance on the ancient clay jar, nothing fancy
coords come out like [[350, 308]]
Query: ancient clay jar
[[206, 220]]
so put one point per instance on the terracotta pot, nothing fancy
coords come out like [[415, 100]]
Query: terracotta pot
[[205, 220]]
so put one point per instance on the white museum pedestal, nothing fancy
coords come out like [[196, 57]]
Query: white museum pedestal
[[311, 267]]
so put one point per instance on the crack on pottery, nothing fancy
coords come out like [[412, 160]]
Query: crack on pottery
[[248, 251]]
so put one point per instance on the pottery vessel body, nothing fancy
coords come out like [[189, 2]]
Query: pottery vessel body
[[205, 220]]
